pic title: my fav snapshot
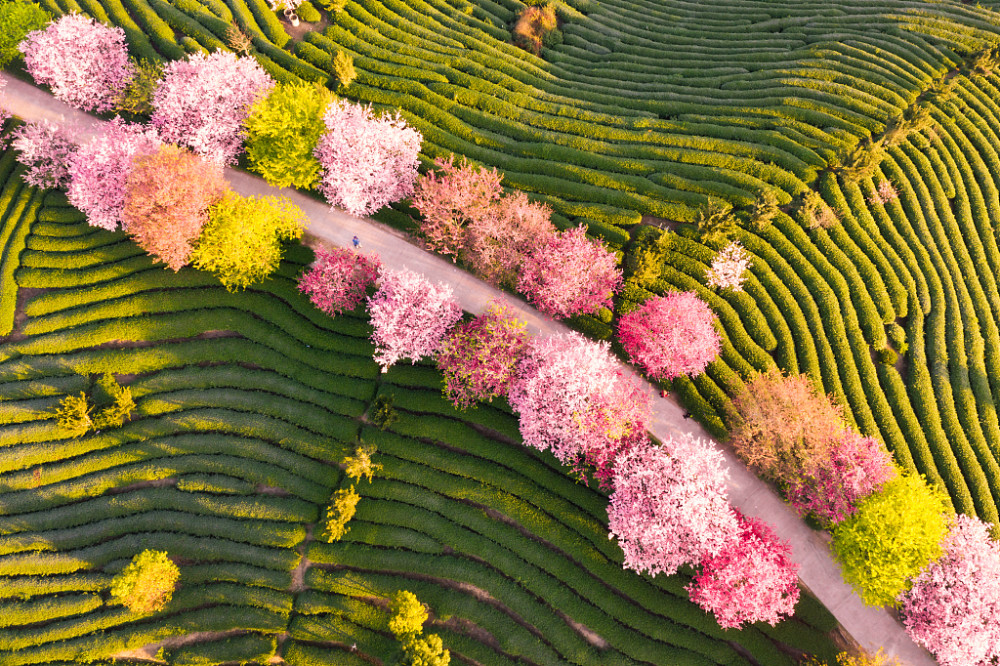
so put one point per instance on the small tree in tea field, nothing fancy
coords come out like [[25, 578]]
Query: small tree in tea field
[[147, 583]]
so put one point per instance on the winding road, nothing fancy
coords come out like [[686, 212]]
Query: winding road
[[870, 627]]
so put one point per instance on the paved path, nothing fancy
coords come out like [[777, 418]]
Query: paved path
[[871, 627]]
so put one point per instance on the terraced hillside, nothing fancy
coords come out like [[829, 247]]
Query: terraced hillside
[[649, 110], [246, 402]]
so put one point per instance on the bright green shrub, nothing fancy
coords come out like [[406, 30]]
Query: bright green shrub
[[74, 415], [408, 615], [894, 534], [343, 68], [282, 131], [308, 13], [17, 19], [147, 583], [339, 512], [241, 243]]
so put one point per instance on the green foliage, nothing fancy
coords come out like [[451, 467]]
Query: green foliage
[[338, 513], [17, 19], [382, 414], [425, 651], [359, 464], [887, 356], [308, 13], [241, 243], [815, 212], [147, 583], [764, 210], [716, 221], [408, 615], [137, 98], [114, 415], [343, 68], [644, 265], [893, 535], [333, 6], [282, 131], [862, 161], [74, 415]]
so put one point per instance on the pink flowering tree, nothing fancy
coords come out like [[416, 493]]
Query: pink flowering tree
[[450, 198], [410, 317], [45, 148], [751, 579], [669, 506], [728, 269], [339, 279], [366, 161], [570, 274], [671, 335], [203, 102], [572, 398], [478, 358], [855, 467], [953, 607], [84, 61], [884, 193], [498, 243], [99, 170]]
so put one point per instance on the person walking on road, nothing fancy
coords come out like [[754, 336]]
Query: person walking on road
[[357, 242]]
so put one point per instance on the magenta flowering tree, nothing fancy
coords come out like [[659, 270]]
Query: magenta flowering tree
[[367, 161], [410, 317], [99, 170], [203, 102], [855, 467], [478, 358], [570, 274], [671, 335], [84, 62], [45, 148], [670, 506], [751, 579], [338, 280], [497, 243], [572, 398], [953, 607]]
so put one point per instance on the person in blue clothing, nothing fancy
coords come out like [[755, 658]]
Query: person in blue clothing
[[356, 241]]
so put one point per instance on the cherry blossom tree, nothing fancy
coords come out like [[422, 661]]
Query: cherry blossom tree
[[84, 61], [751, 579], [339, 279], [572, 398], [884, 193], [99, 170], [669, 506], [366, 161], [167, 198], [953, 608], [478, 358], [410, 317], [570, 274], [784, 427], [671, 335], [45, 148], [203, 102], [856, 467], [450, 198], [728, 269], [496, 244]]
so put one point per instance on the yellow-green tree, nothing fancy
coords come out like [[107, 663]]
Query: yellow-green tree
[[241, 243], [360, 464], [282, 132], [74, 415], [147, 583], [339, 512], [408, 615], [892, 536]]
